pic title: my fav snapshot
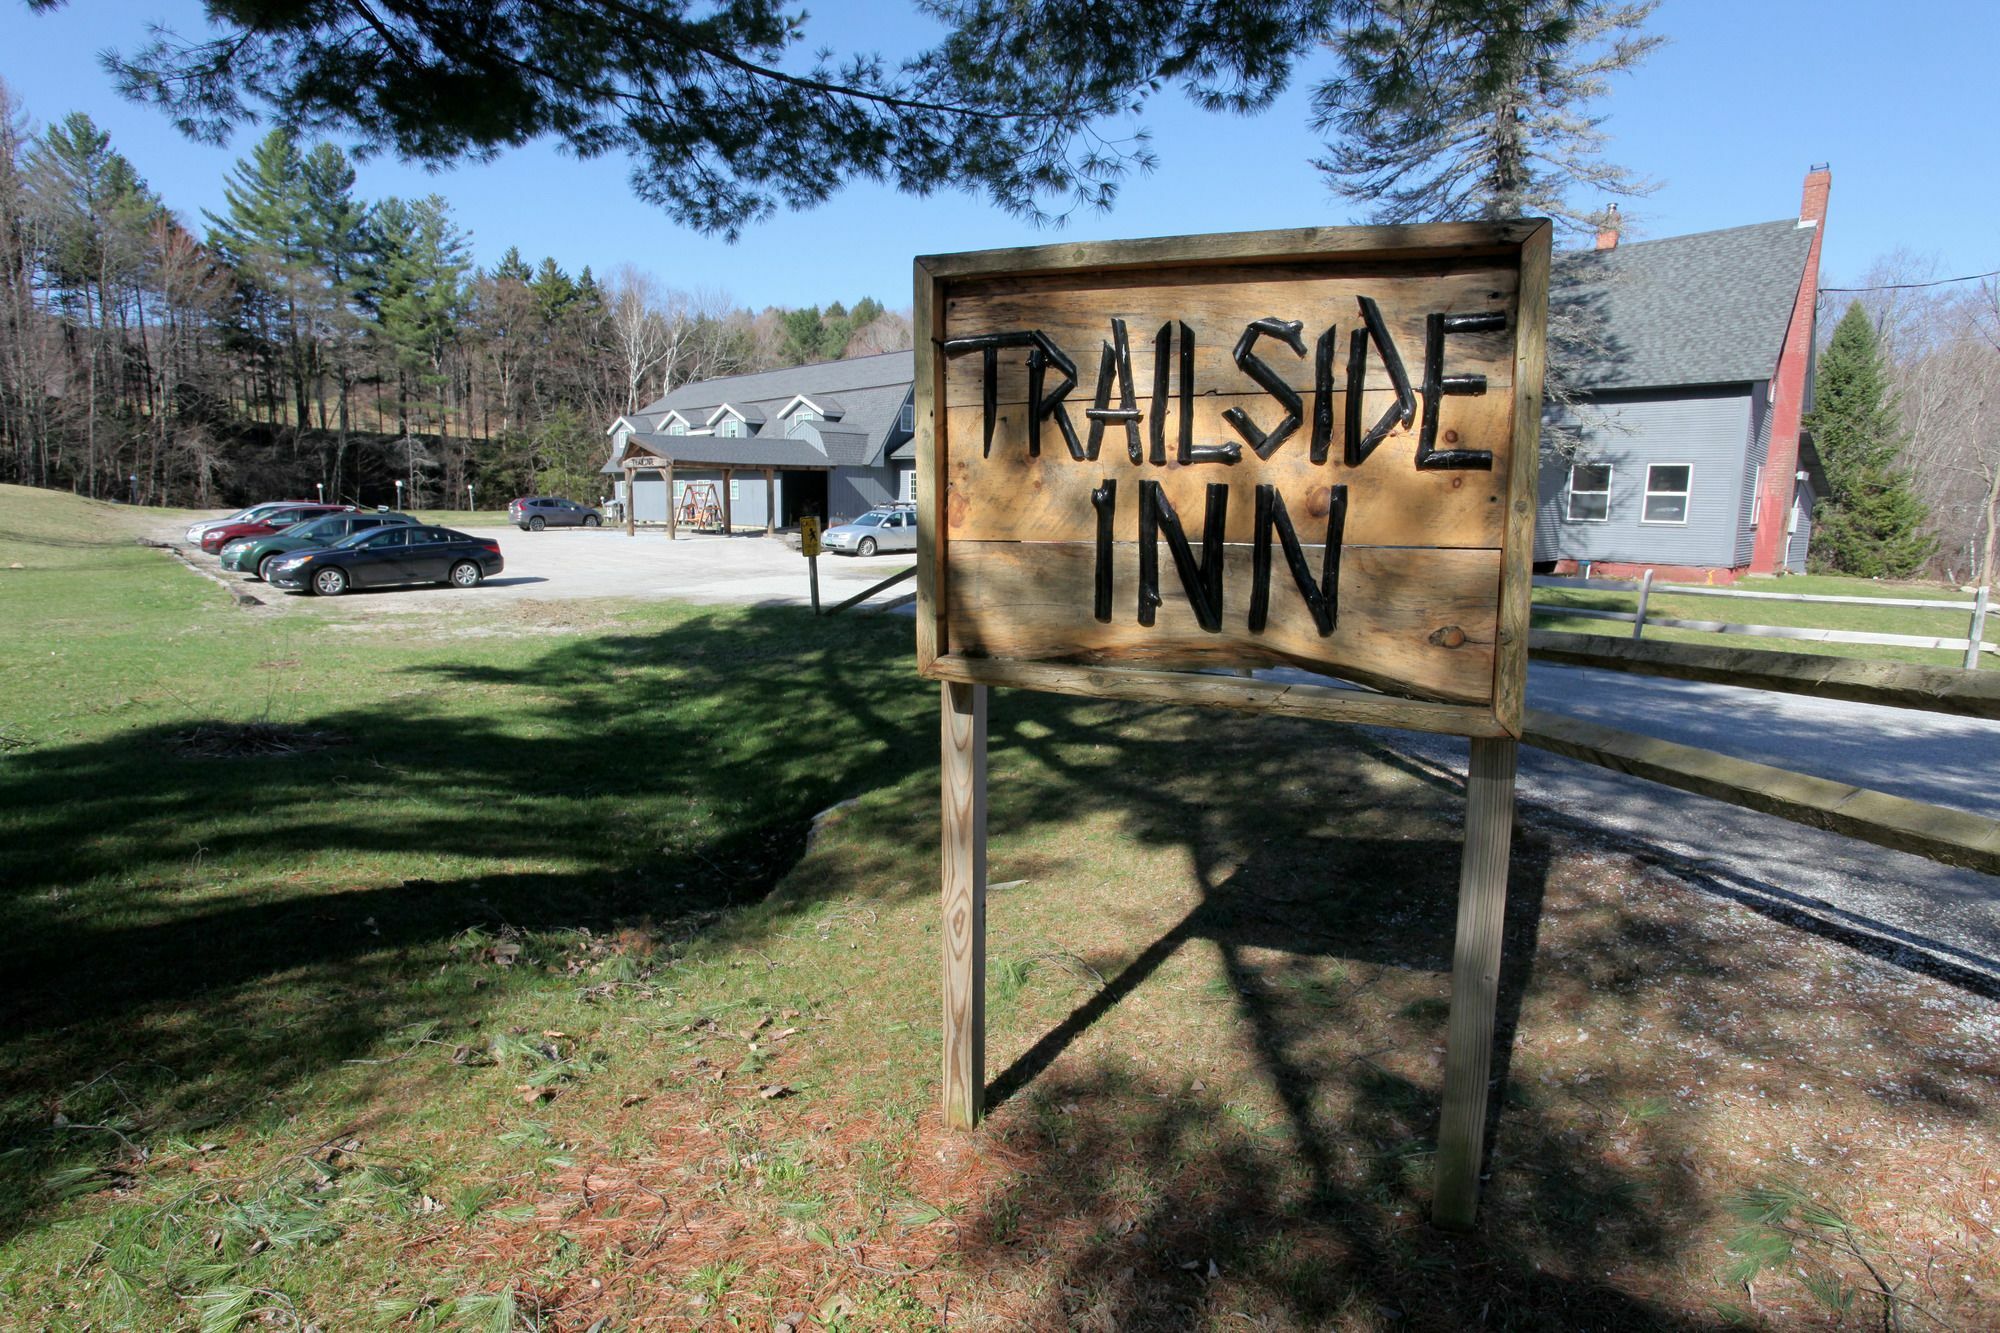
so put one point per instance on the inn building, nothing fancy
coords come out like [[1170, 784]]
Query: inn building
[[1687, 451]]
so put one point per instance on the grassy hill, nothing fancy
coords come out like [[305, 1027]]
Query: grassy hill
[[495, 972]]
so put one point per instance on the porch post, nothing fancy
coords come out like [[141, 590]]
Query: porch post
[[673, 520], [770, 504]]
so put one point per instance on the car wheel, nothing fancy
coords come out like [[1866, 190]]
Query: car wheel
[[264, 566], [330, 582], [591, 520], [466, 574], [867, 546], [537, 523]]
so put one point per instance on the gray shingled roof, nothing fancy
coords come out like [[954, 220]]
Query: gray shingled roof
[[849, 448], [717, 451], [868, 391], [1710, 308]]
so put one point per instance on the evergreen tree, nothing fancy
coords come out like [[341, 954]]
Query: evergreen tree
[[418, 296], [1456, 109], [261, 235], [513, 268], [98, 215], [335, 236], [722, 121], [1872, 524]]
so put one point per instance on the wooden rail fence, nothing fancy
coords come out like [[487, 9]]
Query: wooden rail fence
[[1972, 644]]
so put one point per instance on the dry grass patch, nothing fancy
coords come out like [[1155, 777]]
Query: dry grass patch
[[1217, 1044]]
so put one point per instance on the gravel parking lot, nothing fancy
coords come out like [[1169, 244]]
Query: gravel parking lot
[[567, 563]]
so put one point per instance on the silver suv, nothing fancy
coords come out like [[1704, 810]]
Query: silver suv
[[532, 513]]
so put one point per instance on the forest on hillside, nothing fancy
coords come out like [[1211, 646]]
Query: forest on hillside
[[304, 336]]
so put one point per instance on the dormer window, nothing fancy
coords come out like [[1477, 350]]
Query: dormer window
[[805, 412], [906, 420], [729, 428], [675, 426]]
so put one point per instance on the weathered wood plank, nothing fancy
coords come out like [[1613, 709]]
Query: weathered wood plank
[[1320, 703], [1414, 622], [1803, 633], [1010, 496], [1510, 681], [1408, 241], [1892, 684], [932, 449], [963, 768], [1075, 313], [1475, 980], [1953, 837], [872, 589]]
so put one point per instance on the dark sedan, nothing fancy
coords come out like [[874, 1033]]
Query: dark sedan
[[390, 556]]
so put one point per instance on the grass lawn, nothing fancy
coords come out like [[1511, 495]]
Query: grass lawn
[[487, 973], [1746, 611]]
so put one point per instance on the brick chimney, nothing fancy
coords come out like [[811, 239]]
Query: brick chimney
[[1607, 235], [1788, 389]]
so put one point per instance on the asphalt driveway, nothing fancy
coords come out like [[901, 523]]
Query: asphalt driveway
[[561, 564]]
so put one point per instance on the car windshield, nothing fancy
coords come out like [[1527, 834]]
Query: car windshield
[[356, 538], [314, 527], [870, 521]]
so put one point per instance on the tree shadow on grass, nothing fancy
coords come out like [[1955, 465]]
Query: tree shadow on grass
[[213, 936], [193, 939]]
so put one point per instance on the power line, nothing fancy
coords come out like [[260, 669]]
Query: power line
[[1907, 286]]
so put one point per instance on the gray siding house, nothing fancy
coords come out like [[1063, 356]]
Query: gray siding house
[[826, 434], [1688, 458]]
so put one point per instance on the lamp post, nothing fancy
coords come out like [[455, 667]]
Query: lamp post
[[320, 486], [133, 482], [399, 494], [469, 505]]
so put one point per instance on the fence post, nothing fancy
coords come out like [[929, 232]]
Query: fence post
[[1975, 635], [1645, 591]]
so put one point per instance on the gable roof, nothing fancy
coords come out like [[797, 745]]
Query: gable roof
[[867, 391], [1710, 308]]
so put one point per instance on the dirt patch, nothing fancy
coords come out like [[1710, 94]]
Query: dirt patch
[[251, 740]]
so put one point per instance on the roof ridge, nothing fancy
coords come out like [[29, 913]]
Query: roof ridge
[[1624, 246], [804, 365]]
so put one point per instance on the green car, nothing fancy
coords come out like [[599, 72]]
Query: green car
[[253, 555]]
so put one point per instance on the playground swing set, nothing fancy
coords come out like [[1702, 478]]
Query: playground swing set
[[700, 506]]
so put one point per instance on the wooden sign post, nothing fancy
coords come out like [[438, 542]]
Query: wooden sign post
[[1313, 448]]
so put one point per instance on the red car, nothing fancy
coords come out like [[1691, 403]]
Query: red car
[[277, 520]]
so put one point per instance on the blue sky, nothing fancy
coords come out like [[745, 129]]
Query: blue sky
[[1728, 116]]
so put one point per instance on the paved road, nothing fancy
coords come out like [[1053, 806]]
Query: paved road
[[567, 563], [1875, 898]]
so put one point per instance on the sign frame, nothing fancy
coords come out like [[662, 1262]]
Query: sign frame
[[1493, 727], [1525, 241]]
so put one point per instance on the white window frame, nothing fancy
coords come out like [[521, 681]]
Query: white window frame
[[1756, 495], [1570, 492], [734, 494], [907, 489], [1687, 497], [907, 419]]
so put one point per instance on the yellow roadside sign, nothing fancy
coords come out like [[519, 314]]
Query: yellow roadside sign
[[808, 536]]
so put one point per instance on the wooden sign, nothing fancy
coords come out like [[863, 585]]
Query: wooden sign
[[1296, 449], [1140, 461], [808, 536], [645, 461]]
